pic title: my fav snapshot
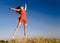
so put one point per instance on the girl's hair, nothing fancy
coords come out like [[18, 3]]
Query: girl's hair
[[18, 7]]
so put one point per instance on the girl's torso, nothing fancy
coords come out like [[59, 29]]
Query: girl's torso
[[23, 14]]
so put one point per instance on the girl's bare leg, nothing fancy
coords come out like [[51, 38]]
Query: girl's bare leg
[[25, 35], [17, 28]]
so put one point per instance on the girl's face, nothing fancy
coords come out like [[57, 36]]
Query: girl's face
[[22, 7]]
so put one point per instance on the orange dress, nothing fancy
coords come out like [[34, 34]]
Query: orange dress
[[22, 17]]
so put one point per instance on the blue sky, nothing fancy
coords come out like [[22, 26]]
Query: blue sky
[[43, 18]]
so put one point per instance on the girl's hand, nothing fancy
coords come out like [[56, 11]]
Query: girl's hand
[[25, 6], [11, 8]]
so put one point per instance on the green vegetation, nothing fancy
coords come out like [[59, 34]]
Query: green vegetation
[[33, 40]]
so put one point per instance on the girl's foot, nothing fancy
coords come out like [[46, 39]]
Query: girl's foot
[[13, 38], [25, 38]]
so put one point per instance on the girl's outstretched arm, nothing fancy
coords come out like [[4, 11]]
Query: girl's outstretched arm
[[14, 9], [25, 6]]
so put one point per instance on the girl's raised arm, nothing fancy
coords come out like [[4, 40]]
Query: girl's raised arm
[[14, 9], [25, 6]]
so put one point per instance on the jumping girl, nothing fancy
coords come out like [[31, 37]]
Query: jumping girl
[[22, 19]]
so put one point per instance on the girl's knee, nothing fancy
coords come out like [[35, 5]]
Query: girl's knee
[[25, 24]]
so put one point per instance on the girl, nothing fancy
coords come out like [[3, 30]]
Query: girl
[[22, 19]]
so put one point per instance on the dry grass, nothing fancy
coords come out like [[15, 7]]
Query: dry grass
[[33, 40]]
